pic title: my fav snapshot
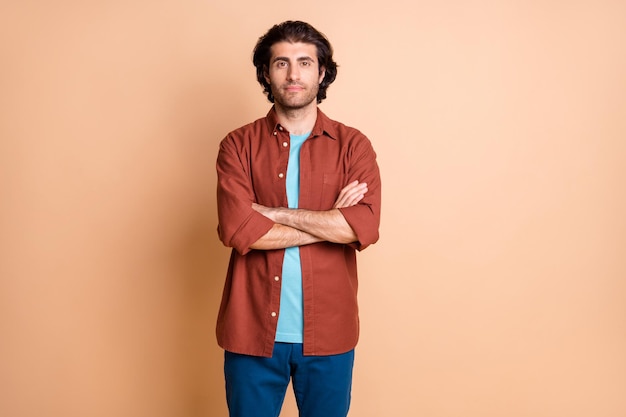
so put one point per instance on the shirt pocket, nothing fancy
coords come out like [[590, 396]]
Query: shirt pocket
[[331, 186]]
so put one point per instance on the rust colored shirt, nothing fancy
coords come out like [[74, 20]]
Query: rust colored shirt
[[251, 168]]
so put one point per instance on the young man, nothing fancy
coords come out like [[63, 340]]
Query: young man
[[297, 195]]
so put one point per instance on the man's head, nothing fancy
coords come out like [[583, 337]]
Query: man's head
[[294, 32]]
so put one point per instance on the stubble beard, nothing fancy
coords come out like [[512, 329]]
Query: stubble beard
[[294, 101]]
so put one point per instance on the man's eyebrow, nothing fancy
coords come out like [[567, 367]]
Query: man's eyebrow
[[300, 59]]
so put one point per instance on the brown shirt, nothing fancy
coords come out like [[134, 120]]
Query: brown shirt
[[251, 168]]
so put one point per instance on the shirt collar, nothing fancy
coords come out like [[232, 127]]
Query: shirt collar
[[323, 125]]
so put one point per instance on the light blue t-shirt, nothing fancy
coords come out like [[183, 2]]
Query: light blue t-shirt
[[291, 319]]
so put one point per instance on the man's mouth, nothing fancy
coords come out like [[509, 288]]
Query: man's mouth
[[294, 88]]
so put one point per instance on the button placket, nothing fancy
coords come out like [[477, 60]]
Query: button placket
[[283, 145]]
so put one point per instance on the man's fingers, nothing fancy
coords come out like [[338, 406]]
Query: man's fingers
[[351, 194]]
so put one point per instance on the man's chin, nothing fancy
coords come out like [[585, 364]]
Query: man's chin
[[294, 104]]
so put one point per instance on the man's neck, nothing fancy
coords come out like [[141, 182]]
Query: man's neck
[[297, 121]]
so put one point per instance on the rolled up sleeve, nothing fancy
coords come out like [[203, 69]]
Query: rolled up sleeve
[[239, 226], [364, 218]]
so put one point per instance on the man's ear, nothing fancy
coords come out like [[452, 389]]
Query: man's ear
[[322, 74], [266, 74]]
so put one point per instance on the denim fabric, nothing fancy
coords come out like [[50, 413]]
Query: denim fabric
[[256, 386]]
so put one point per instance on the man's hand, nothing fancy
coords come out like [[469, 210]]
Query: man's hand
[[266, 211], [351, 194]]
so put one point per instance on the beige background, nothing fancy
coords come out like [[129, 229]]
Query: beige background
[[498, 287]]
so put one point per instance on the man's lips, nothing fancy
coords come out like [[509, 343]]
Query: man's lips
[[294, 88]]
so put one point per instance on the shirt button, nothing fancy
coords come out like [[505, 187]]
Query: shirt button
[[275, 133], [285, 144], [273, 314], [280, 128], [276, 278], [281, 175]]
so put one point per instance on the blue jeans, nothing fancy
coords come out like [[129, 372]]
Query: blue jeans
[[256, 386]]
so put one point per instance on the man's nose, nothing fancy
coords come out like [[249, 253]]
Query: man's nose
[[293, 73]]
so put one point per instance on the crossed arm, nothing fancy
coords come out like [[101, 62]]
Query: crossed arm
[[298, 227]]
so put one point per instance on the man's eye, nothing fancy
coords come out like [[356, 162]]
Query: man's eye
[[305, 63], [281, 64]]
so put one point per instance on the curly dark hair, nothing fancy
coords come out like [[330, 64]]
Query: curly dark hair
[[294, 31]]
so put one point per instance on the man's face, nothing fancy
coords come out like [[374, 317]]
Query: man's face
[[294, 75]]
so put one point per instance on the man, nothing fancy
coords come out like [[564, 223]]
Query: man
[[297, 195]]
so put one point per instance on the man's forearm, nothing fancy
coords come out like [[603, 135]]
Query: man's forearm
[[281, 237], [329, 225], [302, 227]]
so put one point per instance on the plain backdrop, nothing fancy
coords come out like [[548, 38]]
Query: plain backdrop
[[498, 287]]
